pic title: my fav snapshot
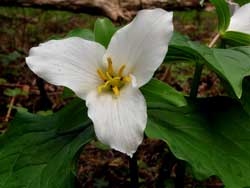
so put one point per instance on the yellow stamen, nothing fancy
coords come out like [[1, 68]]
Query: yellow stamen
[[109, 76], [126, 79], [99, 89], [113, 81], [110, 66], [101, 75], [121, 70], [116, 90], [103, 86]]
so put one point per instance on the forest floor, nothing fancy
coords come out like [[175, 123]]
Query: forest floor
[[20, 89]]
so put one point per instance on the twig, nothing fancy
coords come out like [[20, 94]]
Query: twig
[[7, 117], [12, 85], [214, 40], [166, 73]]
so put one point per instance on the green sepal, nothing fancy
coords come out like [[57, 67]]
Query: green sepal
[[104, 30], [223, 13]]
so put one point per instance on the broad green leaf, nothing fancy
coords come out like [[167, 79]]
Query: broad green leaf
[[104, 30], [223, 13], [212, 136], [18, 108], [67, 93], [81, 118], [245, 99], [82, 33], [182, 49], [242, 2], [14, 92], [236, 38], [44, 112], [35, 154], [231, 65], [244, 50], [155, 90]]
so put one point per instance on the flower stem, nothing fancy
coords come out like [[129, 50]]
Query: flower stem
[[180, 174], [198, 70], [196, 80], [133, 172]]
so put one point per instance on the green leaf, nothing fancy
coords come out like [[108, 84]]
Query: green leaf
[[104, 30], [3, 81], [35, 154], [236, 38], [67, 93], [82, 33], [182, 49], [242, 2], [231, 65], [81, 120], [156, 90], [19, 108], [15, 92], [223, 13], [44, 112], [9, 58], [212, 136], [55, 37], [100, 145], [245, 100]]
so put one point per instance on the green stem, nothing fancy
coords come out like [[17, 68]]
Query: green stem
[[196, 80], [180, 174], [198, 71], [133, 172]]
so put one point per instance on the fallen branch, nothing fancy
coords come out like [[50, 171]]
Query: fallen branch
[[114, 9]]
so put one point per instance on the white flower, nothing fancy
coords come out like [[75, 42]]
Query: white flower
[[109, 79], [240, 21]]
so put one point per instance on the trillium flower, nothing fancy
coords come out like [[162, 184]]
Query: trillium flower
[[109, 80], [240, 21]]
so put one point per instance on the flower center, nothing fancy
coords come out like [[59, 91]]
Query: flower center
[[112, 82]]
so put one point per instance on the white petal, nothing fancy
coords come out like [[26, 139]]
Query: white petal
[[119, 121], [142, 44], [240, 21], [70, 62]]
